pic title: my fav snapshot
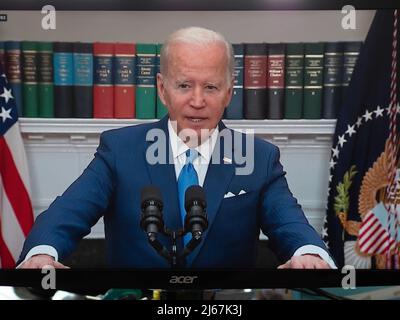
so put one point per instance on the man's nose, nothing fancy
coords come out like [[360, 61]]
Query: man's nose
[[198, 98]]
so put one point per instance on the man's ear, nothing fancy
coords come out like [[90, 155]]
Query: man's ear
[[161, 88]]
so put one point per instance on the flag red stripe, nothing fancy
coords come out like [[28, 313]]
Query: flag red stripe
[[381, 246], [386, 245], [365, 230], [365, 239], [370, 216], [15, 189], [376, 239]]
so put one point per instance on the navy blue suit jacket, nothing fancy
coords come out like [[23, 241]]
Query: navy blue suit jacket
[[111, 185]]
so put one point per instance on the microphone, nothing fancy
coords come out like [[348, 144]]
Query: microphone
[[195, 205], [151, 220]]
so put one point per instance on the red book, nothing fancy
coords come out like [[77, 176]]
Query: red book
[[124, 81], [103, 85]]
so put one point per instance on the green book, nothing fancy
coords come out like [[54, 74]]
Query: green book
[[29, 79], [45, 86], [294, 80], [313, 80], [146, 81], [161, 108]]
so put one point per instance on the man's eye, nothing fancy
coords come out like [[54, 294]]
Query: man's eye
[[183, 86], [211, 88]]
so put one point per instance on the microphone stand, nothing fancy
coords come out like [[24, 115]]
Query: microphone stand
[[192, 244], [176, 260], [152, 223], [172, 257]]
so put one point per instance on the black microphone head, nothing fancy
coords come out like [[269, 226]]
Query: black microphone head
[[151, 219], [150, 192], [195, 193], [195, 205]]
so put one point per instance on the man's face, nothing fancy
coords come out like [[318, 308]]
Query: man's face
[[196, 89]]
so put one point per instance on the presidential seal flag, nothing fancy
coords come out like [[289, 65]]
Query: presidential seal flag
[[361, 227], [16, 215], [362, 222]]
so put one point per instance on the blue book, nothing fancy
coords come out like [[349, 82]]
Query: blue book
[[235, 107], [63, 79], [12, 51], [83, 80]]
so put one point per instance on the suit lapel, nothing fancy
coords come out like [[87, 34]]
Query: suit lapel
[[219, 175]]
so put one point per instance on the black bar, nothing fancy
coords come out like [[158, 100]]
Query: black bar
[[195, 5], [250, 309], [74, 279]]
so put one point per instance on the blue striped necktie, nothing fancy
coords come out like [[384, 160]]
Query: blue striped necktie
[[187, 177]]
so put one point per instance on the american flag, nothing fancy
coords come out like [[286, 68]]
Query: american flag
[[16, 215], [373, 237]]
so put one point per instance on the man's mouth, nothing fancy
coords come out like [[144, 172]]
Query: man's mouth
[[195, 120]]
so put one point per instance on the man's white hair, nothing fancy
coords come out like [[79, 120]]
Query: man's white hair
[[199, 36]]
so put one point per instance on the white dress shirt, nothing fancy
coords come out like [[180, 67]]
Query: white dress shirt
[[204, 150]]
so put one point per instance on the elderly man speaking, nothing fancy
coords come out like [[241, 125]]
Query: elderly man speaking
[[195, 84]]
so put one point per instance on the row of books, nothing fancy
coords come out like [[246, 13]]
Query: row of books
[[118, 80]]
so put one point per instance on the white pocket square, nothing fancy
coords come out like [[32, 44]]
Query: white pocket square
[[228, 195]]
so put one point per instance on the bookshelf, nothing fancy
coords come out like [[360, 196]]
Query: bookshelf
[[309, 128]]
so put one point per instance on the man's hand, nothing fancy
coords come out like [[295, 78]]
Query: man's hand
[[39, 261], [306, 261]]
